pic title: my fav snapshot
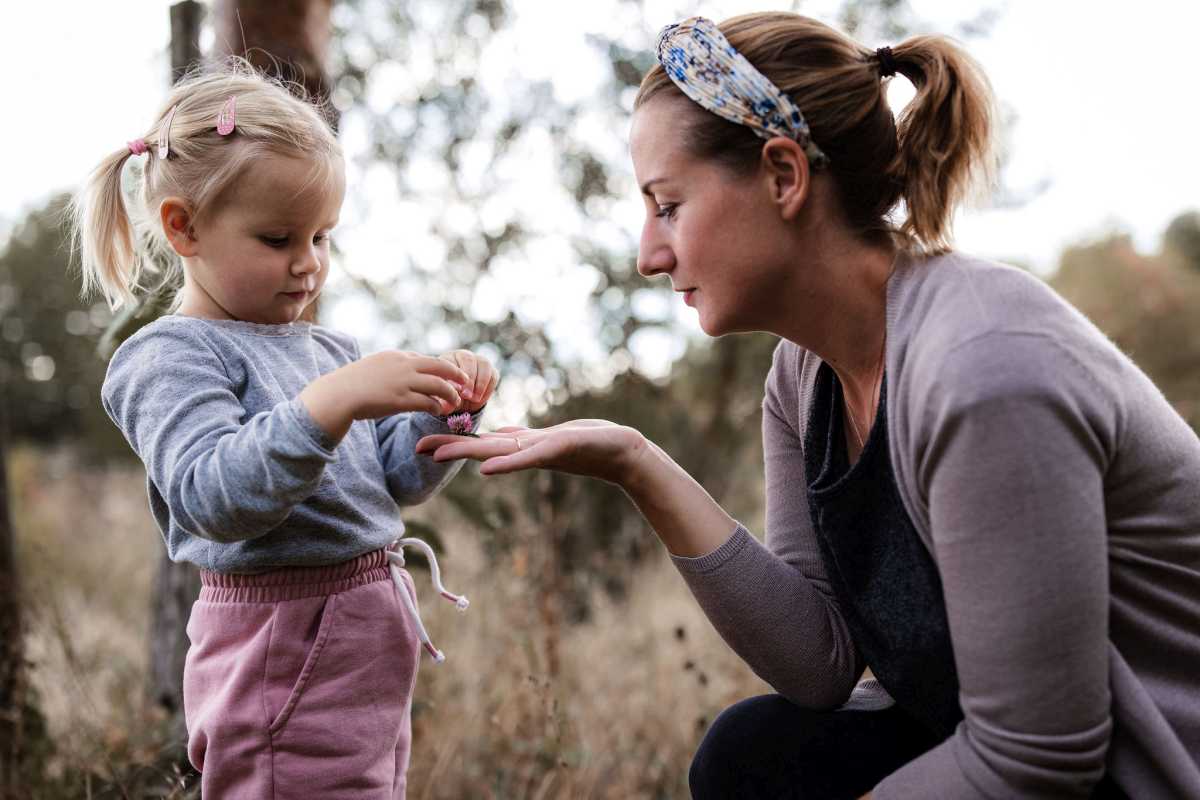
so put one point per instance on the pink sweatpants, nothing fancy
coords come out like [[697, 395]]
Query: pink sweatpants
[[299, 682]]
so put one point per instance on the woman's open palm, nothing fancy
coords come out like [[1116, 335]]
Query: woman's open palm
[[593, 447]]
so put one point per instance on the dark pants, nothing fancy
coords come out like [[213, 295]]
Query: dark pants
[[767, 747]]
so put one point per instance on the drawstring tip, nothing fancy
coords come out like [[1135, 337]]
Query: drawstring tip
[[438, 655], [460, 601]]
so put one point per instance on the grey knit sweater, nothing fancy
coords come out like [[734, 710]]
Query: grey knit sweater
[[1059, 495], [240, 477]]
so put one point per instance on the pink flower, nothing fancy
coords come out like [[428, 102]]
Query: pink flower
[[460, 423]]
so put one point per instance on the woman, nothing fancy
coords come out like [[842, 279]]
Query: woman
[[969, 489]]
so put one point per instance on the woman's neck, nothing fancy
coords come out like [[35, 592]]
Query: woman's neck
[[838, 310]]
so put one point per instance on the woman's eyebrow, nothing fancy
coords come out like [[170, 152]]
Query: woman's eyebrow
[[646, 186]]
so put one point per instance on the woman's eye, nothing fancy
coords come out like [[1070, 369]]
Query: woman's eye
[[320, 237], [667, 210], [273, 241]]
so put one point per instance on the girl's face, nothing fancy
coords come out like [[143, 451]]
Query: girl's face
[[263, 254], [717, 236]]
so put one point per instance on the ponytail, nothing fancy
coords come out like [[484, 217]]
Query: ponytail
[[945, 136], [104, 235]]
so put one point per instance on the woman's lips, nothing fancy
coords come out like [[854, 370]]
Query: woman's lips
[[687, 295], [296, 295]]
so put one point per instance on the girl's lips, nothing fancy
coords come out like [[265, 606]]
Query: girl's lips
[[296, 295], [687, 295]]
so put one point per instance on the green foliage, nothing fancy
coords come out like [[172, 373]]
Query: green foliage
[[48, 364]]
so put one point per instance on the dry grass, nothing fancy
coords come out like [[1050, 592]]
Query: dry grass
[[524, 707]]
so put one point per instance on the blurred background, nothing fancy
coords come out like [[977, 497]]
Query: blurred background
[[491, 205]]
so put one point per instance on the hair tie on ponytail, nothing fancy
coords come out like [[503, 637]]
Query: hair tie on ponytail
[[887, 62], [137, 147]]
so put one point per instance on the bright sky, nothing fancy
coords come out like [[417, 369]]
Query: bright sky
[[1103, 94]]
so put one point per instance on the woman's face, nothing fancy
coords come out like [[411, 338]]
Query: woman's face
[[718, 236]]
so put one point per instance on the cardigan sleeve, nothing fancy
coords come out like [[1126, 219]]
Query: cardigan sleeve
[[773, 604], [1013, 472]]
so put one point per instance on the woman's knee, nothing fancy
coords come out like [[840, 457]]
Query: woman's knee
[[732, 739]]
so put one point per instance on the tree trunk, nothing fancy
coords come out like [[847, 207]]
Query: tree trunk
[[12, 650]]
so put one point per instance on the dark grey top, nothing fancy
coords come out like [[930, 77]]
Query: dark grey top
[[240, 477], [1058, 493]]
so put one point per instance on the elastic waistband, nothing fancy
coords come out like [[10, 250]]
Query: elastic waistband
[[293, 583]]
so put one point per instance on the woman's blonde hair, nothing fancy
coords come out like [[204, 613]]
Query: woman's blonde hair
[[119, 250], [931, 158]]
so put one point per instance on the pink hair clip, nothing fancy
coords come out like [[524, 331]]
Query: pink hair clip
[[164, 134], [137, 146], [227, 119]]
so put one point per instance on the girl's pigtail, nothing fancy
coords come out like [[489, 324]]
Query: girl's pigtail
[[104, 234], [945, 135]]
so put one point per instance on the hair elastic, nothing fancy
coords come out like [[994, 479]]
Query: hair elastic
[[887, 62], [137, 146], [708, 69]]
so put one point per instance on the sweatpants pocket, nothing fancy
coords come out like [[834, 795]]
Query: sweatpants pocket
[[287, 650]]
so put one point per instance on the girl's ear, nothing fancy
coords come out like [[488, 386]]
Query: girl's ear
[[786, 169], [176, 218]]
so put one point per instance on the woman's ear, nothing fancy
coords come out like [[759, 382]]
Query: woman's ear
[[786, 168], [176, 218]]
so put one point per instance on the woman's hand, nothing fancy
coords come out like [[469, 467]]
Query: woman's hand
[[685, 517], [592, 447], [482, 378]]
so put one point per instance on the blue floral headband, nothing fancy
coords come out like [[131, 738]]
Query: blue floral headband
[[707, 68]]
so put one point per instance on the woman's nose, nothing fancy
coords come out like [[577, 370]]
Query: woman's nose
[[654, 257]]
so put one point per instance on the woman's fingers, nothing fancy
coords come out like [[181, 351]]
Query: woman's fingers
[[528, 457], [448, 447]]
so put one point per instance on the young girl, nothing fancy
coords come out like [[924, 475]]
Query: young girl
[[276, 456]]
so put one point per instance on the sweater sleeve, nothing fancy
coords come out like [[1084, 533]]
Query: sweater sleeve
[[773, 604], [223, 476], [411, 478], [1012, 471]]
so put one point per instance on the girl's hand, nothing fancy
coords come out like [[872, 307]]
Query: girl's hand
[[382, 384], [592, 447], [482, 379]]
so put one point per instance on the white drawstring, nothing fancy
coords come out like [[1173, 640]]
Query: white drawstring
[[395, 559]]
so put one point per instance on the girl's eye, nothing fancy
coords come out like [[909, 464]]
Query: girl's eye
[[667, 211], [273, 241], [320, 237]]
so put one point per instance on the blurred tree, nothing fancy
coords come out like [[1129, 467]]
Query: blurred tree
[[1149, 306], [1182, 238], [48, 365]]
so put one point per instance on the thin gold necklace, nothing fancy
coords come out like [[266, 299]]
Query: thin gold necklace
[[875, 387]]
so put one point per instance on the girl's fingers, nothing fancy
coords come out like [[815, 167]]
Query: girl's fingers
[[435, 387], [490, 377], [428, 365]]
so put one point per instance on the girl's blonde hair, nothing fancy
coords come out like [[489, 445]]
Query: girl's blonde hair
[[118, 250], [930, 158]]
